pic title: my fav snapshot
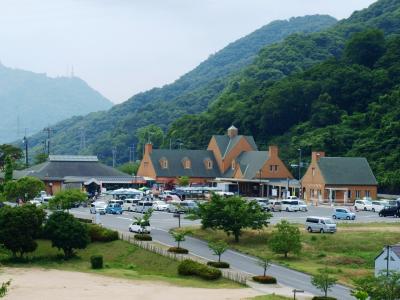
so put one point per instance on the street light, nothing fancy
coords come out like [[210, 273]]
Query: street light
[[295, 291]]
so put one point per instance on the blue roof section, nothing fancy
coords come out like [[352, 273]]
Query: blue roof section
[[226, 144]]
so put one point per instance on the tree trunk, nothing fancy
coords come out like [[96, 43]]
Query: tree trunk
[[236, 237], [286, 254], [179, 244], [219, 258]]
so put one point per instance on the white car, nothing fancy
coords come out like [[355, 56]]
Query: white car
[[129, 204], [160, 205], [377, 206], [290, 205], [302, 205], [98, 207], [140, 228], [35, 202], [363, 205]]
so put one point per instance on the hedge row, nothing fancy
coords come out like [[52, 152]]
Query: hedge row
[[323, 298], [190, 267], [218, 264], [178, 250], [143, 237], [265, 279], [96, 261], [101, 234]]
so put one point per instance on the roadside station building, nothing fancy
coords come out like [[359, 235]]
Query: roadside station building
[[338, 180]]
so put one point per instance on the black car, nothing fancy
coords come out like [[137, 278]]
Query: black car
[[392, 211]]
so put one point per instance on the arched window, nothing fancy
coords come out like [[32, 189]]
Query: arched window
[[209, 164]]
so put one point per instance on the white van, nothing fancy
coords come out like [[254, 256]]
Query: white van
[[320, 224], [143, 206], [98, 207], [290, 205], [129, 204]]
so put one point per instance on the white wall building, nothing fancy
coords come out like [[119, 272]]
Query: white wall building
[[382, 263]]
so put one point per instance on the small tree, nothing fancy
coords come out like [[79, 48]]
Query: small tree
[[19, 227], [25, 188], [232, 215], [323, 281], [286, 239], [8, 169], [380, 287], [265, 263], [183, 181], [144, 220], [218, 248], [179, 237], [66, 199], [66, 233]]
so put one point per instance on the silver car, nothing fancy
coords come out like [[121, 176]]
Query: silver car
[[320, 224]]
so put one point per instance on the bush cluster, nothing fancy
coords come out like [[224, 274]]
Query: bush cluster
[[96, 261], [84, 220], [190, 267], [101, 234], [265, 279], [218, 264], [143, 237], [178, 250], [323, 298]]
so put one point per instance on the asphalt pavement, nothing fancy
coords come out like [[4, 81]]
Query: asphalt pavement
[[162, 222]]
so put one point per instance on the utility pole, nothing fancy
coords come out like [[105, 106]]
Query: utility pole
[[48, 130], [114, 155], [25, 141], [301, 188], [387, 260]]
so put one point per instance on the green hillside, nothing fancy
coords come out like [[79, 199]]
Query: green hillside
[[349, 104], [33, 101], [190, 94]]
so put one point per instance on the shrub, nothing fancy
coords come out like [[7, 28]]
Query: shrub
[[323, 298], [101, 234], [143, 237], [189, 267], [178, 250], [84, 220], [265, 279], [96, 261], [218, 264]]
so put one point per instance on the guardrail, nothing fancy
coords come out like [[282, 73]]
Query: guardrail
[[230, 274]]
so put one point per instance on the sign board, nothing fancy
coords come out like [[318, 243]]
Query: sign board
[[274, 192]]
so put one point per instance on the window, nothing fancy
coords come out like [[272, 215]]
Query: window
[[358, 194], [276, 168], [273, 168], [233, 165], [367, 194], [313, 172], [164, 163], [209, 164], [349, 194], [187, 163]]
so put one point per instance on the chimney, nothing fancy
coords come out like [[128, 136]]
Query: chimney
[[232, 131], [273, 151], [316, 155], [148, 148]]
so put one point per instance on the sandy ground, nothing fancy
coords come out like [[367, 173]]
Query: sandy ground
[[40, 284]]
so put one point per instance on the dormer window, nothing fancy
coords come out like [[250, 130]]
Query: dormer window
[[164, 163], [209, 164], [187, 164]]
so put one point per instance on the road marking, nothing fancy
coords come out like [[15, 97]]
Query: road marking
[[124, 218]]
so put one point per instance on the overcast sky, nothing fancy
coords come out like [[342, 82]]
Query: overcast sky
[[122, 47]]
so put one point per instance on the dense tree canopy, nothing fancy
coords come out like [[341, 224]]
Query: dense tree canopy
[[25, 188]]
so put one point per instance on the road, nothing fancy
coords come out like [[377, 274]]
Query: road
[[161, 223]]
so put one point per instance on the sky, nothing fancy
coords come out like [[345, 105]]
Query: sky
[[123, 47]]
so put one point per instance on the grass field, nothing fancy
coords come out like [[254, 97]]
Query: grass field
[[270, 297], [121, 259], [348, 253]]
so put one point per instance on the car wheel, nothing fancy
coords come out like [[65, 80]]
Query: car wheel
[[334, 216], [380, 214], [309, 229], [365, 209], [130, 230], [373, 209], [347, 218], [129, 209], [321, 231], [287, 209]]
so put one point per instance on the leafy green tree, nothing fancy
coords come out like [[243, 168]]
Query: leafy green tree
[[19, 227], [66, 233], [323, 281], [66, 199], [11, 151], [381, 287], [179, 237], [144, 220], [183, 181], [40, 158], [8, 169], [285, 239], [218, 248], [232, 215], [25, 188], [130, 168], [366, 47]]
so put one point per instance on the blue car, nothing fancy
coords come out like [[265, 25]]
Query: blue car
[[344, 214], [114, 208]]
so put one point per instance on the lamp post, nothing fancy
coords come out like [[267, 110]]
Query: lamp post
[[295, 291]]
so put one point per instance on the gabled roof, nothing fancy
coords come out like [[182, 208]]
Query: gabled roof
[[72, 158], [395, 249], [250, 163], [346, 171], [226, 144], [175, 163]]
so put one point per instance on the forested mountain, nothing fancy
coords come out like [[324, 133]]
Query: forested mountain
[[34, 101], [119, 127], [347, 104]]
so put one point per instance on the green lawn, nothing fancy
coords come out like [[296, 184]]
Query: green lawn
[[270, 297], [121, 259], [348, 253]]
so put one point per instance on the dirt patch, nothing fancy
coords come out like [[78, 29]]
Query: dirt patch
[[39, 284]]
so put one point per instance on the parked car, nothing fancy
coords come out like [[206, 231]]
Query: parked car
[[119, 201], [114, 208], [140, 228], [160, 205], [362, 205], [188, 205], [290, 205], [390, 211], [378, 205], [302, 205], [320, 224], [98, 207], [129, 204], [143, 206], [344, 214], [275, 205]]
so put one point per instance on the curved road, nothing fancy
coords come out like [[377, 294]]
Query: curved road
[[162, 222]]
